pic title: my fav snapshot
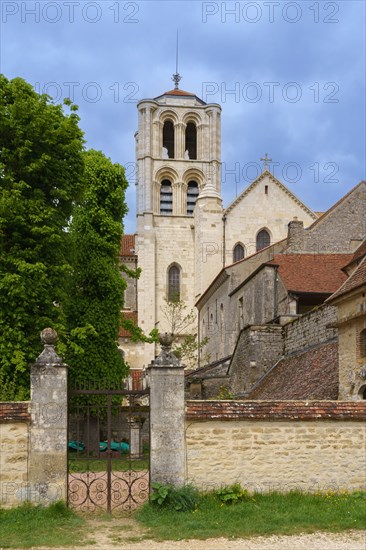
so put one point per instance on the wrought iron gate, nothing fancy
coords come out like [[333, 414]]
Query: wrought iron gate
[[108, 446]]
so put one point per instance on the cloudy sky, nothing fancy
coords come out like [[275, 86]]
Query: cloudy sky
[[290, 77]]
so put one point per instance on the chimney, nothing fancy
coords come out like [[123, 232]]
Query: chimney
[[295, 235]]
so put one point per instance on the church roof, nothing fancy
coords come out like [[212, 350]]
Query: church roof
[[309, 375], [279, 184], [356, 280], [335, 206], [128, 245], [314, 273], [180, 93]]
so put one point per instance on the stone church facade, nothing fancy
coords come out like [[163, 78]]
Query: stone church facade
[[184, 235]]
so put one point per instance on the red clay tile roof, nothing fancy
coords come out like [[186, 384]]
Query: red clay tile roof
[[360, 251], [357, 279], [321, 273], [275, 410], [128, 245], [178, 92], [123, 333], [18, 411], [309, 375]]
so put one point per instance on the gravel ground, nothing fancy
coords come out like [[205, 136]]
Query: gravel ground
[[127, 534]]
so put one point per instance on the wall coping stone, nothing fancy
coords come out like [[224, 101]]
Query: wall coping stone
[[17, 411], [275, 410]]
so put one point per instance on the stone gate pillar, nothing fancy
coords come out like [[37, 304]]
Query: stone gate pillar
[[167, 438], [48, 431]]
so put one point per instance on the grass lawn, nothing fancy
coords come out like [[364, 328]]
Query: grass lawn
[[29, 525], [122, 464], [267, 514], [260, 514]]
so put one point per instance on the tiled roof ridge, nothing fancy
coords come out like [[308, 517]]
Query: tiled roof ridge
[[276, 410], [17, 411], [354, 281]]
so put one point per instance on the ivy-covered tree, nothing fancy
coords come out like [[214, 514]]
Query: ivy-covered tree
[[93, 309], [41, 166]]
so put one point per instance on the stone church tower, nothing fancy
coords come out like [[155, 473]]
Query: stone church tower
[[178, 190]]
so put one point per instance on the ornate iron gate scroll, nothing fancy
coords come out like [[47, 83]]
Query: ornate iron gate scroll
[[108, 448]]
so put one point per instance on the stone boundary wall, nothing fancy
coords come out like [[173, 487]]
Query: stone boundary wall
[[310, 329], [284, 445], [14, 451]]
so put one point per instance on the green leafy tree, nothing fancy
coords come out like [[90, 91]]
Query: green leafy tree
[[93, 309], [180, 322], [41, 166]]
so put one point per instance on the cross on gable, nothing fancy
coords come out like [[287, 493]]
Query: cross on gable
[[266, 160]]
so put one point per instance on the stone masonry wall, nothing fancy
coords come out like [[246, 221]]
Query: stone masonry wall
[[257, 350], [310, 329], [14, 451], [277, 446]]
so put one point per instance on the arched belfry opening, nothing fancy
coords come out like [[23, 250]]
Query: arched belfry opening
[[166, 197], [191, 141], [168, 139], [192, 194]]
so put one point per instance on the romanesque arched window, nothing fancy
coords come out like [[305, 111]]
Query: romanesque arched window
[[166, 197], [238, 253], [191, 141], [362, 346], [192, 194], [168, 139], [174, 284], [263, 239]]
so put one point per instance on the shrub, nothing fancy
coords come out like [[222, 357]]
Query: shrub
[[181, 499], [231, 494]]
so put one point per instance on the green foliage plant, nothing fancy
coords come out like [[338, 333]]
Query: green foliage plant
[[93, 309], [231, 494], [180, 499], [41, 179]]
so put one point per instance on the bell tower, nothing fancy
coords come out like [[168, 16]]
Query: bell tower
[[177, 155]]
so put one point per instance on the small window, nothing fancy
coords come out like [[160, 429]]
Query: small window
[[263, 239], [238, 253], [191, 141], [174, 284], [266, 189], [168, 139], [362, 347], [192, 194], [166, 197]]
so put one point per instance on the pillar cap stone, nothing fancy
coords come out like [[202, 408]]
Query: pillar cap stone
[[49, 356], [166, 357]]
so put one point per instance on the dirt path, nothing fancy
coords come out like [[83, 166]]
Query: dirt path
[[126, 534]]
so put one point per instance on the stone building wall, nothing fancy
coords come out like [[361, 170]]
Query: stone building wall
[[14, 452], [310, 329], [222, 303], [277, 445], [257, 350], [334, 233], [266, 204]]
